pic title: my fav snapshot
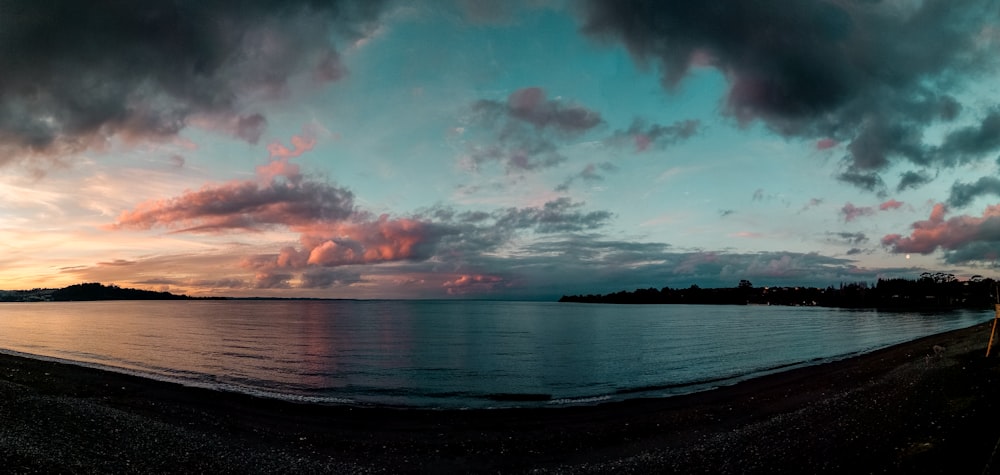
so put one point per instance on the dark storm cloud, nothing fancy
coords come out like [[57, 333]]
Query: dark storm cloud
[[970, 143], [497, 13], [486, 11], [77, 74], [873, 75], [978, 254], [963, 193]]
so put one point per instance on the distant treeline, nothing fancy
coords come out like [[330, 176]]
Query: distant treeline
[[96, 291], [937, 290], [88, 291]]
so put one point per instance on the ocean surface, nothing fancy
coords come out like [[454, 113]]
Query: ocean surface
[[453, 354]]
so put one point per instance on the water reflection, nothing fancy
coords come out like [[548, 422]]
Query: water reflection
[[450, 353]]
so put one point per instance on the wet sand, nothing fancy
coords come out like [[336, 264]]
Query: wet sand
[[905, 409]]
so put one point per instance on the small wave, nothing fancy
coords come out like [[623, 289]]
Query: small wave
[[189, 379], [672, 386], [581, 401], [703, 384], [299, 398]]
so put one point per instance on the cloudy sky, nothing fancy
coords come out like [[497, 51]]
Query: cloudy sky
[[481, 149]]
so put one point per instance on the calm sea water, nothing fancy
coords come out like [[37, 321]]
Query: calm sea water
[[452, 353]]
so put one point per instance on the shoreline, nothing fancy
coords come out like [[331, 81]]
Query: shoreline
[[901, 409]]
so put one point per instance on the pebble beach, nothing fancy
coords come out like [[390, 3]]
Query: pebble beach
[[925, 406]]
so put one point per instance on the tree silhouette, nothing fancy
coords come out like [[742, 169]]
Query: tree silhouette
[[931, 290]]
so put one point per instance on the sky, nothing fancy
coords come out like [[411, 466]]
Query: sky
[[511, 150]]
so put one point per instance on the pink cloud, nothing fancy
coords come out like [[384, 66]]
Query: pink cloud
[[824, 144], [526, 100], [279, 196], [642, 142], [954, 233], [467, 283], [530, 105], [242, 205], [851, 212], [891, 204], [300, 144], [328, 247], [332, 232], [366, 242], [280, 164], [246, 127], [275, 169]]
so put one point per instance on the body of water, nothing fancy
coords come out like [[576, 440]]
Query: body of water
[[453, 354]]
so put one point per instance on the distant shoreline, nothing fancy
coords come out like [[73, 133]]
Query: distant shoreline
[[937, 292], [903, 409], [90, 292]]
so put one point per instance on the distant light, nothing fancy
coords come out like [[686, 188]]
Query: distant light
[[907, 256]]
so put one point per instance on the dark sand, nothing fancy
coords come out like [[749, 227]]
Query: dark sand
[[899, 410]]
